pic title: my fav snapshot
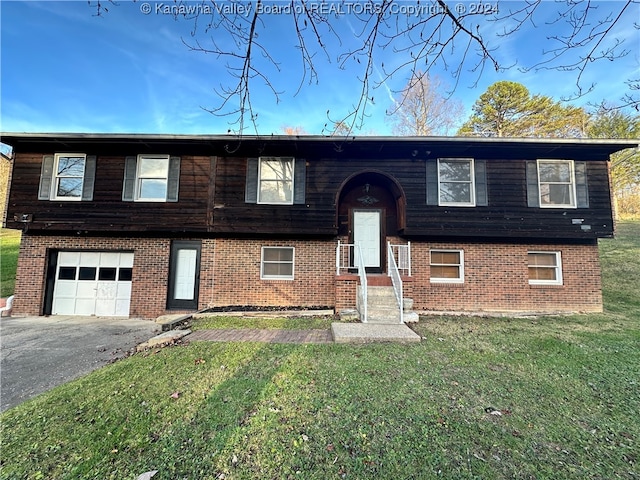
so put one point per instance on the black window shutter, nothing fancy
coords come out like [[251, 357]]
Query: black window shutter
[[89, 177], [251, 188], [582, 189], [173, 183], [432, 182], [129, 184], [533, 193], [482, 199], [299, 181], [46, 176]]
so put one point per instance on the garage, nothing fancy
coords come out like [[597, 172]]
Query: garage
[[92, 283]]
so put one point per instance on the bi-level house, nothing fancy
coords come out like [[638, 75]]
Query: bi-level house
[[144, 225]]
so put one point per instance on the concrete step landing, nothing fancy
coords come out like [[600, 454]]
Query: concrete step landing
[[372, 332]]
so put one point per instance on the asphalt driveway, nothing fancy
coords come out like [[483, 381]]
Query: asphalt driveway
[[39, 353]]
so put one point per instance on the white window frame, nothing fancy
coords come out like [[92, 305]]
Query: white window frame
[[138, 188], [292, 161], [460, 266], [557, 268], [263, 276], [55, 177], [471, 182], [572, 184]]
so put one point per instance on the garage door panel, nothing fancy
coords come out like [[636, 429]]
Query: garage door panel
[[85, 306], [110, 259], [66, 288], [122, 308], [89, 259], [126, 260], [69, 258], [64, 306]]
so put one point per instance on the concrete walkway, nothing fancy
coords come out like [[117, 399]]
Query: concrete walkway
[[261, 335], [339, 333]]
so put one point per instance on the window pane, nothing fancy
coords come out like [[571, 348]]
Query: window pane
[[67, 273], [544, 259], [556, 194], [87, 273], [277, 169], [444, 272], [450, 258], [69, 187], [555, 172], [278, 269], [275, 192], [124, 275], [154, 167], [107, 274], [71, 166], [541, 273], [455, 170], [153, 189], [278, 254], [455, 192]]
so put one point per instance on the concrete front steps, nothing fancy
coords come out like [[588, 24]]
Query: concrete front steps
[[382, 306]]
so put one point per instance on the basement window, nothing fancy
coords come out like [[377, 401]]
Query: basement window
[[277, 263], [446, 266], [545, 268]]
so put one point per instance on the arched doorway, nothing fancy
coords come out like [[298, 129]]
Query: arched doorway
[[370, 209]]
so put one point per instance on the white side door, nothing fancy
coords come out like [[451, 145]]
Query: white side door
[[366, 233]]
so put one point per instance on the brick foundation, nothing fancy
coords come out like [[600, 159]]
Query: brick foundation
[[496, 276]]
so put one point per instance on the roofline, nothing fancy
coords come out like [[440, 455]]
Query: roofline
[[629, 143]]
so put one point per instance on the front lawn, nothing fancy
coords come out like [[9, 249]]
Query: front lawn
[[549, 397], [9, 247]]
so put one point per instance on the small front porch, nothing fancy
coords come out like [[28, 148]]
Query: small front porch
[[381, 298]]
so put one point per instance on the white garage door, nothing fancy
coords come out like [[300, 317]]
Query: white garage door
[[93, 283]]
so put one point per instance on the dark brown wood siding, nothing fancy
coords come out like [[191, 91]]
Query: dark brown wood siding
[[107, 211], [507, 214], [212, 200]]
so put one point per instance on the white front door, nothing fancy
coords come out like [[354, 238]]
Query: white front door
[[366, 233]]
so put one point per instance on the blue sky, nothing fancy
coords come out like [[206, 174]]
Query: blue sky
[[63, 69]]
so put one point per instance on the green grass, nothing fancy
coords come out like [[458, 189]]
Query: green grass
[[567, 388], [9, 247]]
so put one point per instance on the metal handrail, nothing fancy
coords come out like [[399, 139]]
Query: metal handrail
[[394, 273], [362, 273]]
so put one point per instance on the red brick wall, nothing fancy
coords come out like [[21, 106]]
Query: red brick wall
[[496, 276], [235, 281], [496, 279]]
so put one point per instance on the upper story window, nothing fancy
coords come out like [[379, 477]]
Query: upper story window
[[275, 180], [151, 178], [457, 182], [556, 183], [67, 176]]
